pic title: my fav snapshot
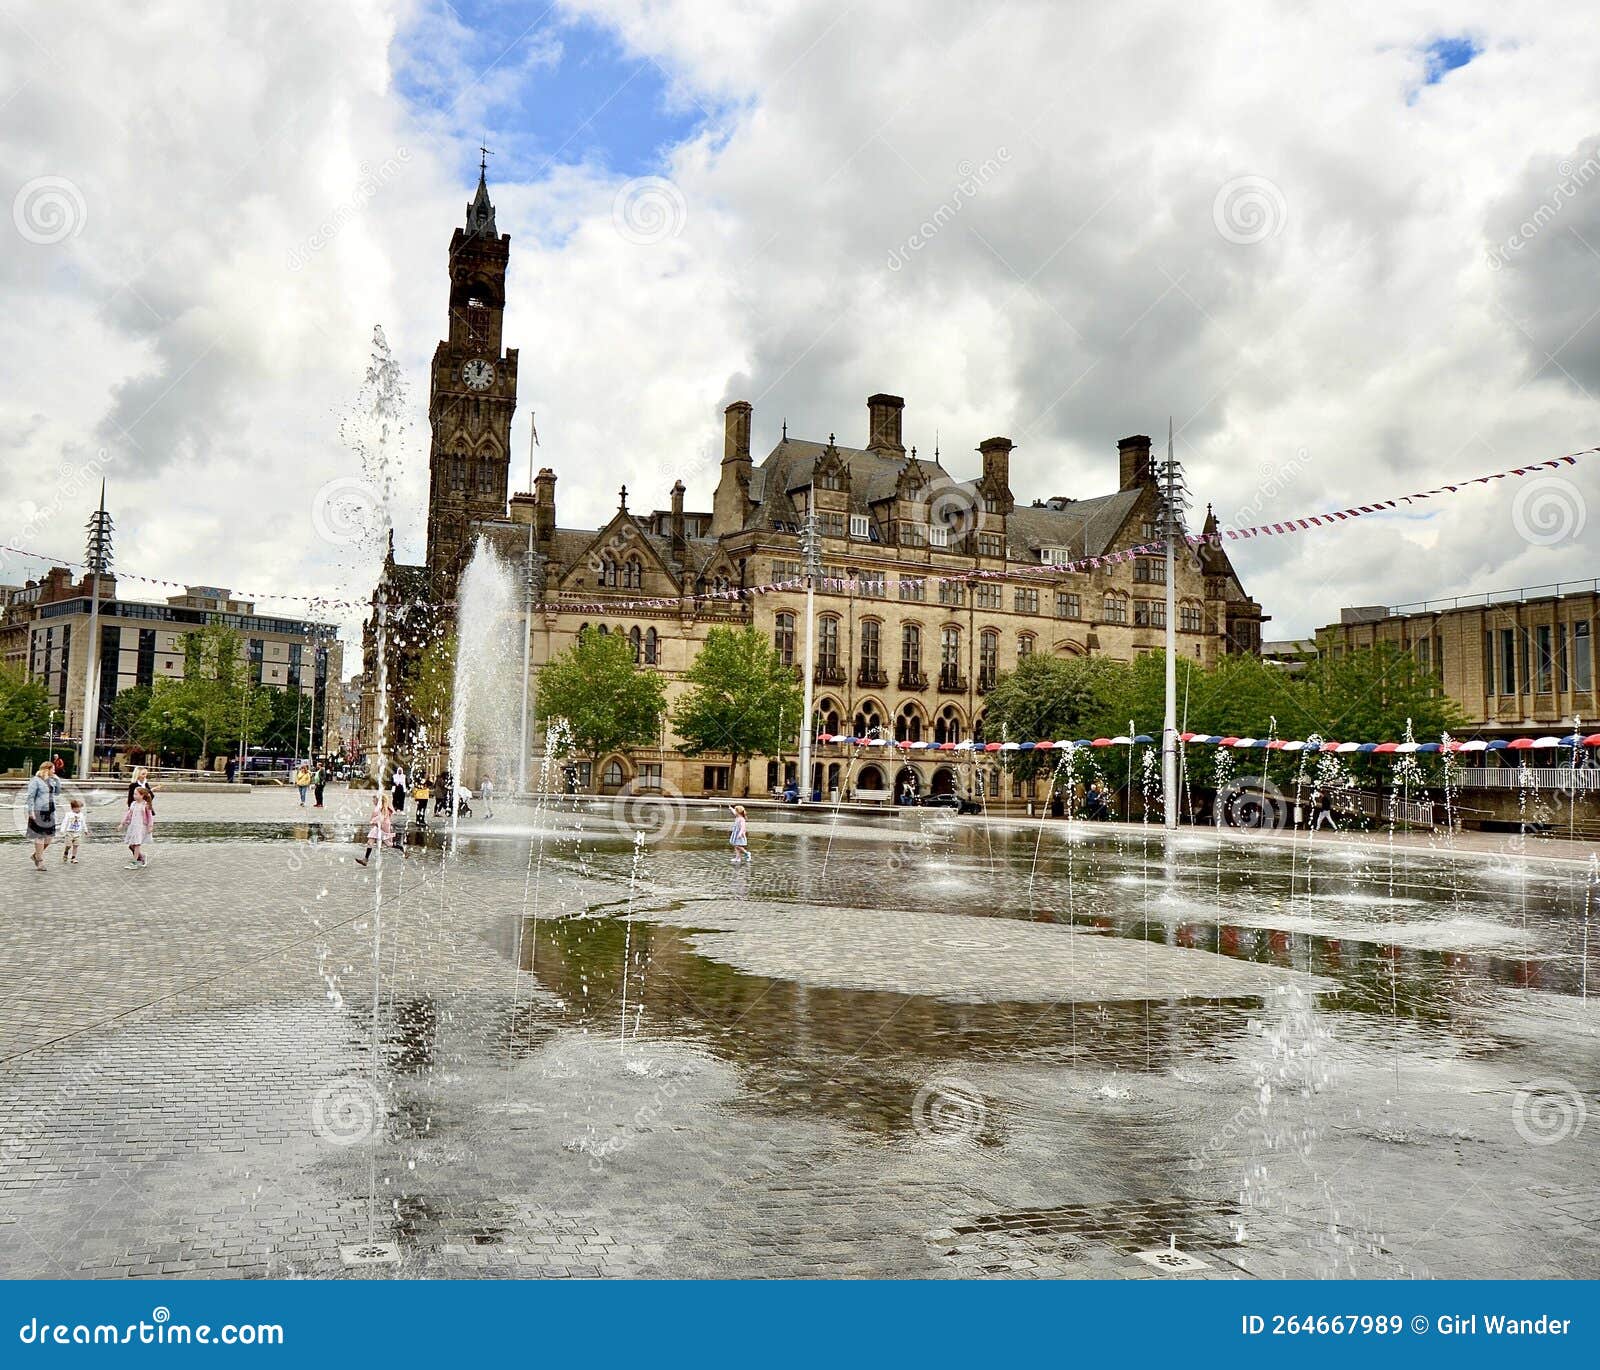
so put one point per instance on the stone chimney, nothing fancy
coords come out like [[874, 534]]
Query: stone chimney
[[883, 425], [544, 513], [730, 505], [1133, 460], [680, 542], [997, 471]]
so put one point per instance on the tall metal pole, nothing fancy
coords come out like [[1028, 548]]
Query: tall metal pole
[[527, 627], [99, 559], [811, 549], [1169, 723]]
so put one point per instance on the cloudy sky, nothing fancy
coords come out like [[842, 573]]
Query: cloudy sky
[[1352, 250]]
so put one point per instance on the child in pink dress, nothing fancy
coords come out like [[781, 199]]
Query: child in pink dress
[[739, 838], [137, 824], [380, 832]]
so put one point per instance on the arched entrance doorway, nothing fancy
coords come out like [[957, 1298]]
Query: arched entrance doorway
[[944, 781], [906, 777]]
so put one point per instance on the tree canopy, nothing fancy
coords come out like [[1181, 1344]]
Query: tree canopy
[[607, 699], [742, 699], [24, 708]]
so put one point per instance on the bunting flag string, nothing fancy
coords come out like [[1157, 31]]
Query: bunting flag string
[[1053, 571], [1313, 744]]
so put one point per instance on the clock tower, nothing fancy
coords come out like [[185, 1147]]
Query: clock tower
[[472, 395]]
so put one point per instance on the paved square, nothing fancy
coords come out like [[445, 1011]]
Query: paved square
[[544, 1054]]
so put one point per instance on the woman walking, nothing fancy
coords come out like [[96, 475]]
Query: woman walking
[[319, 782], [137, 823], [43, 790], [302, 781]]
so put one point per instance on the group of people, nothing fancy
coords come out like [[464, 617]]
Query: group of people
[[315, 780], [45, 823], [444, 794]]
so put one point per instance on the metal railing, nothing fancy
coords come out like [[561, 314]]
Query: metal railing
[[1490, 598], [1583, 778]]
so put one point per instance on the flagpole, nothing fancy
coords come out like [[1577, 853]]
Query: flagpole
[[527, 624], [1169, 722]]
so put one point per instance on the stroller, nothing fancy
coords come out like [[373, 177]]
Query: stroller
[[463, 801]]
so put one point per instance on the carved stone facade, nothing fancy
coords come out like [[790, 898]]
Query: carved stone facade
[[936, 580]]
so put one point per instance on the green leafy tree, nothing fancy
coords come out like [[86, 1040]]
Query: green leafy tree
[[1049, 697], [742, 700], [430, 689], [24, 708], [1371, 695], [607, 699], [127, 708], [215, 704]]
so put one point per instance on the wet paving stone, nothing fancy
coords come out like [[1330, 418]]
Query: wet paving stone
[[870, 1055]]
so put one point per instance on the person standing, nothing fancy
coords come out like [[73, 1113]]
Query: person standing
[[399, 789], [420, 793], [137, 823], [739, 837], [40, 801], [319, 782], [486, 789], [302, 781], [75, 829]]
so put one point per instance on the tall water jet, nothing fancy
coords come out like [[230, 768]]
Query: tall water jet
[[486, 698]]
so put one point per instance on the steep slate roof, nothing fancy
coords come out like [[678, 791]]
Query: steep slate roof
[[788, 467], [1086, 527]]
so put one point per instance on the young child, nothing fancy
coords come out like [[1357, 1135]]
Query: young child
[[739, 837], [76, 827], [380, 833], [137, 823], [421, 792]]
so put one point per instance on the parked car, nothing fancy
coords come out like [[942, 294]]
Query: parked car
[[950, 801]]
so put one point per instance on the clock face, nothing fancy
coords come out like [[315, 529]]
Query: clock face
[[478, 374]]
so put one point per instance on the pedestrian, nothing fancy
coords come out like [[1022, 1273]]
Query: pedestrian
[[400, 791], [380, 831], [739, 837], [137, 823], [420, 792], [140, 776], [302, 781], [76, 827], [486, 789], [319, 782], [40, 801], [1324, 803], [444, 791], [232, 768]]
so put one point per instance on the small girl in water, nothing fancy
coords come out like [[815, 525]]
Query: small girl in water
[[380, 833], [137, 823], [739, 837]]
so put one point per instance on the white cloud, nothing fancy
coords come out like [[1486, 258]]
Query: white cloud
[[209, 322]]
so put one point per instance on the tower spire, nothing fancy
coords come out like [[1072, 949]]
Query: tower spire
[[480, 213]]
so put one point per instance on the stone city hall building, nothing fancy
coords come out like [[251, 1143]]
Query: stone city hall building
[[933, 585]]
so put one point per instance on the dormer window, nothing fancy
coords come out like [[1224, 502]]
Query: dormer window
[[860, 526]]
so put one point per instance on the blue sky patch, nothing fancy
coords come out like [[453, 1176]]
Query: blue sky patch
[[1444, 55], [541, 89]]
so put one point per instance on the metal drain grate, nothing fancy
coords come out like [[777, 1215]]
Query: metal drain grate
[[1169, 1258], [370, 1253]]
